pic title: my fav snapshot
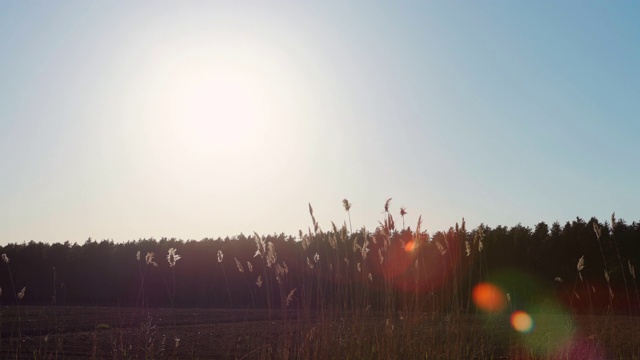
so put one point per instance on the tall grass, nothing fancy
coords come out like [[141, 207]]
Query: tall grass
[[385, 295], [389, 293]]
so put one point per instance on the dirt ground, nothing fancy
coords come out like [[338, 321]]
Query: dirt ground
[[127, 333]]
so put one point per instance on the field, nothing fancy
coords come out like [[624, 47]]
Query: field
[[130, 333], [387, 294]]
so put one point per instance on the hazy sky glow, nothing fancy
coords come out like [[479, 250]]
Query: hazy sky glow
[[127, 120]]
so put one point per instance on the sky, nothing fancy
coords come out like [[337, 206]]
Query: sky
[[126, 120]]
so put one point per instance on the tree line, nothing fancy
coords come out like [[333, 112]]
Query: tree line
[[581, 265]]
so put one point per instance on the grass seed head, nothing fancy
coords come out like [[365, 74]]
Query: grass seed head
[[355, 246], [632, 270], [346, 204], [220, 256], [613, 220], [364, 249], [418, 226], [333, 241], [441, 248], [172, 257], [240, 268], [598, 230], [5, 258], [149, 259], [259, 244], [138, 255], [279, 273], [580, 265], [290, 296], [259, 281], [271, 254], [21, 293], [390, 225], [313, 219]]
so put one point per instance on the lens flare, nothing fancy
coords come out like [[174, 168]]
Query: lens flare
[[489, 297], [410, 246], [521, 321]]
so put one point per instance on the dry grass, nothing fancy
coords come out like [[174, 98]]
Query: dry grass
[[395, 302]]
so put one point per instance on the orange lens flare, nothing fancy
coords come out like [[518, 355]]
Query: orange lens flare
[[489, 297], [410, 246], [521, 321]]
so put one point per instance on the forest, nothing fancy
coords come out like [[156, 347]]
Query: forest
[[585, 266]]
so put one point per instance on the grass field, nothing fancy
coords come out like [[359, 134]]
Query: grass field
[[129, 333], [383, 295]]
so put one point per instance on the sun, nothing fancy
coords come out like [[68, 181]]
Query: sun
[[211, 111], [220, 110]]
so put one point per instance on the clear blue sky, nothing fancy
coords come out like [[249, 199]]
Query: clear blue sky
[[122, 120]]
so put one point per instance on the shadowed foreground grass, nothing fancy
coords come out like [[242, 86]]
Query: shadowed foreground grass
[[114, 333]]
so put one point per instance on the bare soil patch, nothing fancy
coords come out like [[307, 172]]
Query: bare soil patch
[[128, 333]]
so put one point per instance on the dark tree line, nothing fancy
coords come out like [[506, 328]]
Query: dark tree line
[[387, 267]]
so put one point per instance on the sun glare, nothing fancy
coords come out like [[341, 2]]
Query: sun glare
[[219, 110], [215, 110]]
